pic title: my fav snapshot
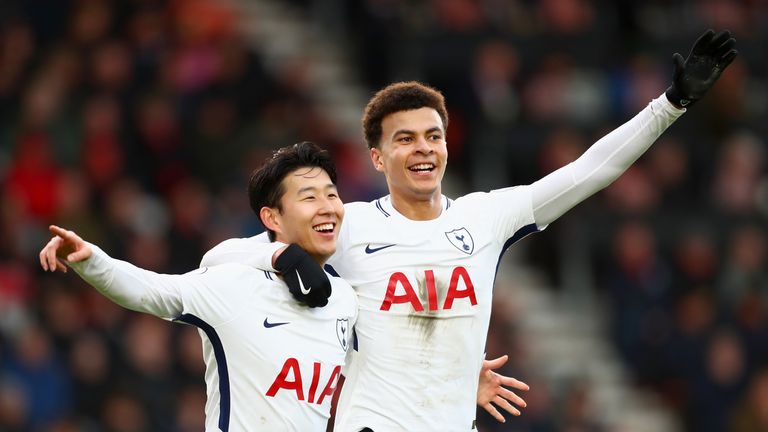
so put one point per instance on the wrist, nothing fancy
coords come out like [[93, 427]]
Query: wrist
[[277, 254], [678, 100]]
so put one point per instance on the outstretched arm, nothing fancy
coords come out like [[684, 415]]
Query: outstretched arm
[[601, 164], [123, 283], [491, 390], [609, 157]]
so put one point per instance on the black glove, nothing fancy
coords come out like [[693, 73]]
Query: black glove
[[305, 278], [694, 76]]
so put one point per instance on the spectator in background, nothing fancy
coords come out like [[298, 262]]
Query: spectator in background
[[751, 414], [621, 44], [40, 379], [715, 393]]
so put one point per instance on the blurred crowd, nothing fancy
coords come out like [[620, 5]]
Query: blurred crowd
[[137, 122]]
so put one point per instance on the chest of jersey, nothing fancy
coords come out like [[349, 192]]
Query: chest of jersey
[[444, 267], [288, 351]]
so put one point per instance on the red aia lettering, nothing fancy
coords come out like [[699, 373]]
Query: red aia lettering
[[409, 296], [331, 386], [315, 379], [454, 292], [429, 277], [292, 366], [459, 274]]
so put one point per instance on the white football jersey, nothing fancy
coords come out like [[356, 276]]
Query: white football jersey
[[272, 364], [424, 287], [424, 290]]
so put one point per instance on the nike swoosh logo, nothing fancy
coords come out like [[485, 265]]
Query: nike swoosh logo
[[301, 284], [370, 250], [268, 324]]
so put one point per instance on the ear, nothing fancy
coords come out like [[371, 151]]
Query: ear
[[270, 218], [377, 160]]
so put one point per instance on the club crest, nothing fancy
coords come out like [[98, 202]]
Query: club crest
[[342, 330], [461, 240]]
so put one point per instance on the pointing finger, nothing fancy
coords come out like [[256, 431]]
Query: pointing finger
[[59, 231]]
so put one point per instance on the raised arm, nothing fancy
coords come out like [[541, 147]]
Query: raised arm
[[123, 283], [602, 163], [609, 157]]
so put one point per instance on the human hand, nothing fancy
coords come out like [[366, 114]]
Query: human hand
[[306, 280], [491, 390], [694, 76], [65, 245]]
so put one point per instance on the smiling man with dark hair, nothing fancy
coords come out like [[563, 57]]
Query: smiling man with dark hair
[[272, 363]]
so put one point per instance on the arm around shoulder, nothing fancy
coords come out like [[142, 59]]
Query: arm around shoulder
[[255, 251]]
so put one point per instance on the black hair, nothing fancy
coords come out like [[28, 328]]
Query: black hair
[[265, 189]]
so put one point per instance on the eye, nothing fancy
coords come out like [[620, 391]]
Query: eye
[[308, 198], [405, 139], [436, 137], [333, 195]]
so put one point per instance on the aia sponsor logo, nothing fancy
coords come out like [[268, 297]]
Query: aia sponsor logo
[[400, 290], [291, 380]]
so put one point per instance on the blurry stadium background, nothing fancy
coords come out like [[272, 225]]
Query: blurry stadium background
[[136, 123]]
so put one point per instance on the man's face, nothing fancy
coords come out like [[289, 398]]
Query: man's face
[[412, 153], [311, 212]]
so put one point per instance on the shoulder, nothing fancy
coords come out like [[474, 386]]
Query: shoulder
[[233, 245], [365, 211], [501, 196], [243, 242], [337, 281], [343, 292], [469, 201], [380, 207], [232, 274], [360, 206], [226, 291], [240, 250]]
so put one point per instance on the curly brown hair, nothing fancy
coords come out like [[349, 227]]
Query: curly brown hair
[[401, 96]]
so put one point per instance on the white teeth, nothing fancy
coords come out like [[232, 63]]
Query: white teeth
[[323, 227], [422, 167]]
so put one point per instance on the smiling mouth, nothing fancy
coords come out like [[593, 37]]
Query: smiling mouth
[[325, 228], [422, 168]]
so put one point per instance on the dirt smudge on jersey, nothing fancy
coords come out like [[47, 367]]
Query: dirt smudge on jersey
[[426, 320]]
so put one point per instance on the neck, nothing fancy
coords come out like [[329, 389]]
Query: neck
[[419, 209], [321, 260]]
